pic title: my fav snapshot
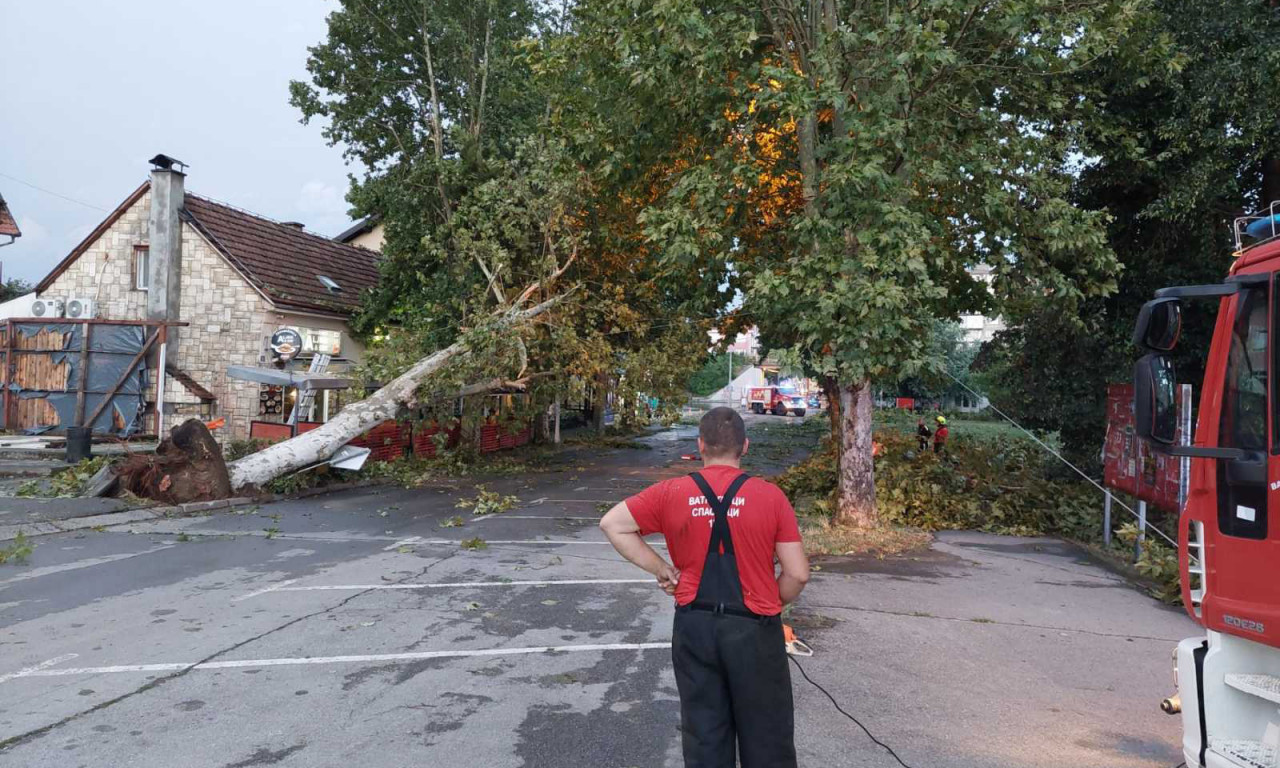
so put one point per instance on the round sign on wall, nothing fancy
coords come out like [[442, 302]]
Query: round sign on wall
[[286, 343]]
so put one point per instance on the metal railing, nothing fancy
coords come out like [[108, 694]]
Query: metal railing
[[1240, 228]]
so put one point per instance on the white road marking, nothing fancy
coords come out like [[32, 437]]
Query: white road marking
[[36, 573], [548, 542], [43, 671], [265, 590], [449, 585], [37, 667], [403, 543], [534, 517]]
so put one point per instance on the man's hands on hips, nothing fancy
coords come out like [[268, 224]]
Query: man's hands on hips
[[624, 534], [668, 578]]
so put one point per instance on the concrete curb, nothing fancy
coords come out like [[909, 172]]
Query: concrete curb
[[123, 517], [192, 509]]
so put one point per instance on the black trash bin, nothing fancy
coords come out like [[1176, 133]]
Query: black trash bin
[[79, 444]]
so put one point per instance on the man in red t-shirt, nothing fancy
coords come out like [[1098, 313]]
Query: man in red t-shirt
[[723, 531]]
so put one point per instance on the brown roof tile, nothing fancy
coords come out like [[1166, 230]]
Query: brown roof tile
[[7, 225], [284, 261]]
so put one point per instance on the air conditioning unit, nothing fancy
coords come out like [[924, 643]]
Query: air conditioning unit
[[81, 309], [47, 308]]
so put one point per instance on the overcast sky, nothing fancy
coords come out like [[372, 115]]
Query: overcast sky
[[90, 90]]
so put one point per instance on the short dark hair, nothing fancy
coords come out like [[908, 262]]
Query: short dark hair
[[723, 433]]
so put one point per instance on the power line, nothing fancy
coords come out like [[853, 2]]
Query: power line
[[1059, 456], [55, 194]]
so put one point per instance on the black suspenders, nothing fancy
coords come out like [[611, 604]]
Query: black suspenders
[[720, 589]]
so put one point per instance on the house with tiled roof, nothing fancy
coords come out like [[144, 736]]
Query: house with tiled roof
[[368, 232], [8, 226], [233, 278]]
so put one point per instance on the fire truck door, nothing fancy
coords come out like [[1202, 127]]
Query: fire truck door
[[1244, 423]]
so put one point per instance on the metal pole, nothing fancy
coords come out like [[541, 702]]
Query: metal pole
[[556, 439], [160, 379], [1184, 463], [1142, 531], [1106, 520]]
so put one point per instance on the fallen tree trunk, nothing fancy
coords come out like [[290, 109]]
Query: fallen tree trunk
[[354, 420]]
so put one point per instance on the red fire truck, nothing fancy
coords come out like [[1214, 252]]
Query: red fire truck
[[1229, 679], [776, 400]]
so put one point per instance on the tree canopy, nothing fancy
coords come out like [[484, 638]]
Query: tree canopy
[[845, 162], [439, 104], [829, 171], [1181, 139]]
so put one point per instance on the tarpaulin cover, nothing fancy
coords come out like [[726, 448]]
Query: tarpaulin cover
[[1129, 464], [120, 339], [111, 350]]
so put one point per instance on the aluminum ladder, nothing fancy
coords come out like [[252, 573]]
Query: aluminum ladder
[[308, 397]]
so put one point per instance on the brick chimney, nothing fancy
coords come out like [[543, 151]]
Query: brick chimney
[[164, 275]]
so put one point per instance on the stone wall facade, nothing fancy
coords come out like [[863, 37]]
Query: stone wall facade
[[229, 320]]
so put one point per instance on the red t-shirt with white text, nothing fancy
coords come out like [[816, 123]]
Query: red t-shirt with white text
[[760, 517]]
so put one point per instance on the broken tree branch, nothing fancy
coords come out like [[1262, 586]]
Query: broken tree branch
[[519, 384]]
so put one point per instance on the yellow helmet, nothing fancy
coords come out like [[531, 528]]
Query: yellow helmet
[[942, 419]]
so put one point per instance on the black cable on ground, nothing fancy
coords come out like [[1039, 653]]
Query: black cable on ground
[[855, 720]]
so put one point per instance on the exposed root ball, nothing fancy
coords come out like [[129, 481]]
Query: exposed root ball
[[187, 466]]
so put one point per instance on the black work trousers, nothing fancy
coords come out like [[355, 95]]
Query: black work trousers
[[735, 690]]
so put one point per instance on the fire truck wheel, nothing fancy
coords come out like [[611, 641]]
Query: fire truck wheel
[[779, 410], [799, 412]]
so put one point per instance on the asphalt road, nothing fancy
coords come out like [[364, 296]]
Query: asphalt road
[[353, 629]]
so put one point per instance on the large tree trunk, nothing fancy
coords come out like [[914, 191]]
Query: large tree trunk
[[599, 402], [831, 388], [855, 477], [354, 420]]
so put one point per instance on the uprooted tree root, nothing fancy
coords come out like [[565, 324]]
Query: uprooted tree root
[[187, 466]]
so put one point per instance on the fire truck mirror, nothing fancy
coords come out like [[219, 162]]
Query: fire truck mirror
[[1155, 407], [1159, 325]]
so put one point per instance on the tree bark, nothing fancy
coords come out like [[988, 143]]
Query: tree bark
[[855, 482], [484, 74], [322, 442], [831, 388], [599, 401]]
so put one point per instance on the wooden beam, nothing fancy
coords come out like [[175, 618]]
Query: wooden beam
[[128, 371], [10, 406], [8, 380], [85, 330], [94, 321]]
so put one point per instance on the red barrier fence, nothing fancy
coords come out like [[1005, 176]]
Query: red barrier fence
[[389, 441], [1129, 464], [392, 440]]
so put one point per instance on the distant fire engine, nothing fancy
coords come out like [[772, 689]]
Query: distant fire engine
[[776, 400]]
